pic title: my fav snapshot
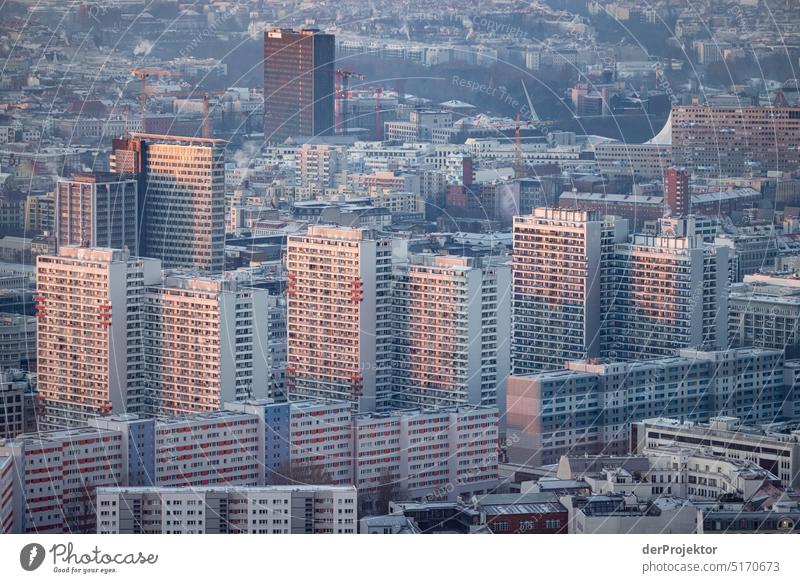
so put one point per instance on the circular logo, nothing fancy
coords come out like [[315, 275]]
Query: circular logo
[[786, 524], [31, 556]]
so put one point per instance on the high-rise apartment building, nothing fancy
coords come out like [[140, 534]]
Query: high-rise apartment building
[[182, 194], [339, 316], [98, 209], [90, 359], [736, 140], [670, 292], [452, 338], [205, 343], [560, 286], [298, 83]]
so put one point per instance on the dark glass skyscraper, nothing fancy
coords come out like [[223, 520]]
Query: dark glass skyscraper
[[298, 83]]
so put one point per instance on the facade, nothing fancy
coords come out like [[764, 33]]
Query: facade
[[339, 329], [205, 343], [645, 161], [588, 406], [452, 344], [17, 396], [616, 514], [298, 83], [206, 449], [7, 505], [765, 312], [559, 289], [320, 441], [775, 448], [55, 476], [670, 292], [736, 141], [17, 341], [275, 426], [90, 358], [677, 196], [230, 510], [427, 454], [182, 193], [98, 209], [321, 165]]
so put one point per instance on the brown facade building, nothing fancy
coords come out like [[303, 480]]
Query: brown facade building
[[736, 141], [298, 84], [676, 192]]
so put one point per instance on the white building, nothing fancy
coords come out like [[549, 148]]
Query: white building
[[89, 342], [321, 165], [320, 438], [230, 510], [774, 447]]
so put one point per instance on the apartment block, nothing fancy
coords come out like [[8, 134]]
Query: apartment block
[[452, 344], [274, 427], [230, 510], [205, 343], [98, 209], [339, 321], [320, 437], [560, 288], [589, 405], [321, 165], [736, 140], [55, 476], [670, 291], [207, 449], [17, 341], [90, 358]]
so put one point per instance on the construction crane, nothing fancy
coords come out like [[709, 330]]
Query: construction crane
[[342, 88], [143, 75]]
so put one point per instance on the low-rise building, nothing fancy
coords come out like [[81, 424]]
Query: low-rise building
[[588, 406], [300, 509], [773, 447]]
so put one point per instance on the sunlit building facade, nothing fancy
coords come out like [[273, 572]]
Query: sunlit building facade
[[89, 337], [339, 320], [453, 334]]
